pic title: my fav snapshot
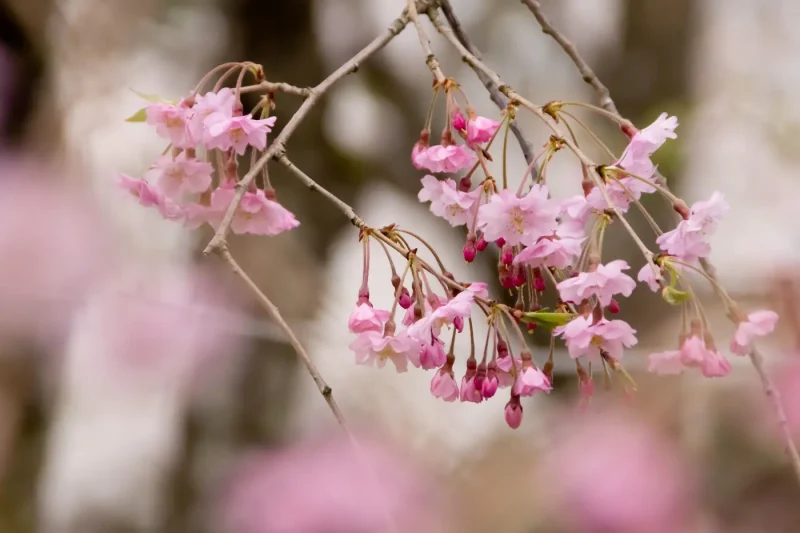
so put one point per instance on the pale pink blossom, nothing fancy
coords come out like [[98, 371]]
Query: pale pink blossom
[[257, 214], [507, 367], [530, 380], [491, 382], [574, 213], [694, 353], [583, 338], [196, 214], [148, 196], [171, 122], [443, 384], [219, 104], [558, 253], [366, 318], [237, 132], [447, 202], [604, 283], [432, 354], [518, 220], [444, 158], [689, 240], [459, 307], [643, 145], [372, 347], [469, 391], [648, 275], [481, 130], [179, 176], [758, 324]]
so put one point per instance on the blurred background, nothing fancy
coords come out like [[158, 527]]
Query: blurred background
[[110, 422]]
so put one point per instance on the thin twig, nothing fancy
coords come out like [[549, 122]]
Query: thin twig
[[278, 145], [494, 93], [587, 73], [430, 58], [272, 311], [271, 87]]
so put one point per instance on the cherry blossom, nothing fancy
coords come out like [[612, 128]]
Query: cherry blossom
[[758, 324], [530, 380], [518, 220], [693, 353], [171, 122], [182, 175], [584, 338], [689, 240], [648, 275], [149, 196], [365, 318], [606, 281], [237, 132], [513, 412], [444, 158], [443, 384], [447, 202], [558, 253], [217, 104], [372, 347], [256, 214], [481, 130]]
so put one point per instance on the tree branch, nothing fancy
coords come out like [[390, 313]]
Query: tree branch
[[217, 243], [430, 58], [494, 93]]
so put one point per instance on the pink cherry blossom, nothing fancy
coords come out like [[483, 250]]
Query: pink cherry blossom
[[481, 130], [459, 122], [558, 253], [179, 176], [505, 374], [583, 338], [694, 353], [444, 158], [491, 382], [758, 324], [574, 213], [219, 104], [257, 214], [530, 380], [450, 312], [518, 220], [366, 318], [443, 384], [689, 240], [237, 132], [170, 121], [469, 391], [432, 354], [513, 412], [604, 283], [644, 144], [447, 202], [648, 275], [372, 347], [149, 196]]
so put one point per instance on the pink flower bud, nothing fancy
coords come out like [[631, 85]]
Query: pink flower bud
[[613, 307], [513, 412], [481, 244], [500, 242], [469, 249], [405, 300], [507, 256], [459, 122]]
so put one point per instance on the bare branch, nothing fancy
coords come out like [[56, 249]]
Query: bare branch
[[270, 87], [494, 93], [272, 311], [430, 58], [587, 73], [278, 145]]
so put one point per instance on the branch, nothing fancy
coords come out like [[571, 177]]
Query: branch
[[587, 73], [430, 59], [217, 243], [494, 93], [270, 87], [272, 311]]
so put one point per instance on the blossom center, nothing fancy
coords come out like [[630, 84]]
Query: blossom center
[[517, 219]]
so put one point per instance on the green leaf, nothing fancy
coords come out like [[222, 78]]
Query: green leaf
[[673, 296], [139, 116], [548, 320], [152, 98]]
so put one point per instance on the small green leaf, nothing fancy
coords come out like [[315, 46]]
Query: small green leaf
[[152, 98], [548, 320], [673, 296], [139, 116]]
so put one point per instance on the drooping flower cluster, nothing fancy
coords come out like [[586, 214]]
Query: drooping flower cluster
[[180, 185]]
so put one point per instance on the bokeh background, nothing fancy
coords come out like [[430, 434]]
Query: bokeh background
[[106, 428]]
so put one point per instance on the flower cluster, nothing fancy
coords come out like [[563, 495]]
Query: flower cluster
[[181, 185]]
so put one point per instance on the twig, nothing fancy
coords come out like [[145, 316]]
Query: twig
[[316, 187], [272, 311], [278, 145], [271, 87], [587, 73], [430, 58], [494, 93], [755, 357]]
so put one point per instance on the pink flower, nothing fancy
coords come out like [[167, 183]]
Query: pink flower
[[586, 339], [530, 380], [149, 197], [469, 391], [505, 374], [372, 347], [219, 104], [365, 318], [443, 384], [182, 175], [195, 215], [444, 158], [604, 283], [171, 123], [459, 122], [447, 202], [693, 354], [636, 158], [518, 220], [513, 412], [481, 130], [450, 312], [648, 275], [574, 212], [558, 253], [689, 241], [257, 214], [758, 324], [491, 382], [237, 132], [432, 354]]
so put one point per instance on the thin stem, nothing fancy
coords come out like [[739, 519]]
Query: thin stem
[[591, 133], [430, 59], [426, 245], [613, 116], [505, 155]]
